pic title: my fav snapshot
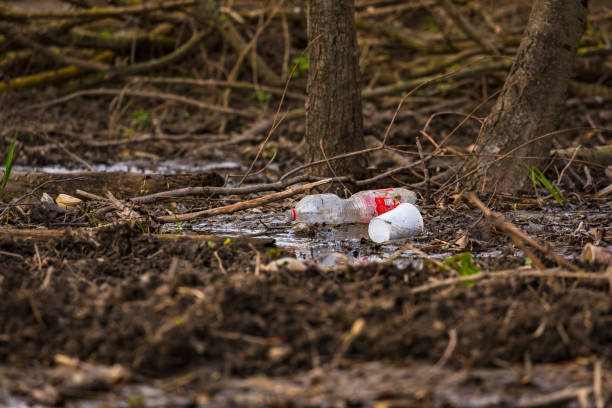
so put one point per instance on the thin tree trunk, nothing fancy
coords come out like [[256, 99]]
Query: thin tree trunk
[[333, 109], [532, 100]]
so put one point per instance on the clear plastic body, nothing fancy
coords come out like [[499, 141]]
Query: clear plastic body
[[360, 207]]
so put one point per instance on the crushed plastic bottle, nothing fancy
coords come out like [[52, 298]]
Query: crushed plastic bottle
[[360, 207]]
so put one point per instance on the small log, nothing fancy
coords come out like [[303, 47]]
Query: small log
[[47, 235], [601, 155], [122, 184]]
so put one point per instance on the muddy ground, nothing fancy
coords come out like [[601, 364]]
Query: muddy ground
[[99, 309], [127, 318]]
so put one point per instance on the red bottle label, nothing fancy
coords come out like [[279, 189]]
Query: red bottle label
[[385, 204]]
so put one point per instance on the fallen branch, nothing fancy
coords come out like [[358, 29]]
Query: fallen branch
[[599, 154], [123, 184], [54, 56], [460, 21], [231, 34], [10, 14], [207, 190], [45, 235], [228, 209], [48, 77], [149, 94], [121, 42], [510, 273], [500, 222], [158, 63], [219, 83]]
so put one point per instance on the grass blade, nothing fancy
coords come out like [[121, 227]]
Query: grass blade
[[9, 163], [548, 185]]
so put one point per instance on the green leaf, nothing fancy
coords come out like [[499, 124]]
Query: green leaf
[[464, 264], [432, 27], [270, 150], [301, 67], [9, 163], [272, 253], [262, 96], [140, 114], [552, 188], [538, 177]]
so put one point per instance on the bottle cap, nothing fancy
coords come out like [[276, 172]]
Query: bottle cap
[[403, 221], [290, 215]]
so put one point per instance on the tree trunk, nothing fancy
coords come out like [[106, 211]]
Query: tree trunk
[[532, 99], [333, 108]]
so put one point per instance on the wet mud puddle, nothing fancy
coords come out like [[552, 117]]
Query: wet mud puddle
[[326, 245], [334, 245], [141, 167]]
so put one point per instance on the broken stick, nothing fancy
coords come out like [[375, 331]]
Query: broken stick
[[227, 209], [500, 222]]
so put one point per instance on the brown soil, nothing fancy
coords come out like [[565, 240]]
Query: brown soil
[[130, 315], [163, 308]]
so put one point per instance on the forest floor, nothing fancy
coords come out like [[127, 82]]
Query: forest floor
[[118, 303]]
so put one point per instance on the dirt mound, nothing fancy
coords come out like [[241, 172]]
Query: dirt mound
[[121, 296]]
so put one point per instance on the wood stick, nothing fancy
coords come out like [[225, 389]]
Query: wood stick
[[185, 191], [57, 57], [11, 14], [227, 209], [122, 183], [500, 222], [46, 235], [455, 14], [510, 273], [150, 95]]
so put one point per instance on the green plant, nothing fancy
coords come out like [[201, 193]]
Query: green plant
[[432, 27], [140, 114], [464, 264], [9, 163], [272, 253], [538, 177], [301, 67], [262, 96], [93, 220], [270, 149], [443, 85], [177, 226], [140, 118], [142, 228], [136, 401]]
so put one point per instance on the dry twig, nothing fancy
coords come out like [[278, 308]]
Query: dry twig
[[509, 228]]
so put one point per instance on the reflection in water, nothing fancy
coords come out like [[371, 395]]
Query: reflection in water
[[139, 166], [328, 246]]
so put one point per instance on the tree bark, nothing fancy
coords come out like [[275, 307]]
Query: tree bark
[[333, 108], [532, 100]]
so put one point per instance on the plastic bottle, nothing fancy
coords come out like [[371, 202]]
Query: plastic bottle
[[360, 207]]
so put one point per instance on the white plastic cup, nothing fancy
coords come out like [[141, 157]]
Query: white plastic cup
[[403, 221]]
